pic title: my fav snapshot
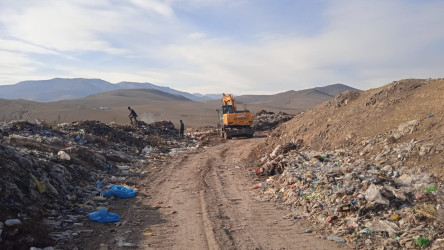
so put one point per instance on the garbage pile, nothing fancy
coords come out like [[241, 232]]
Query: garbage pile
[[52, 178], [208, 136], [265, 121], [348, 199], [400, 122]]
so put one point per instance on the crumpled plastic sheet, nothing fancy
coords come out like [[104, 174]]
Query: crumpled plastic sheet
[[120, 191], [103, 216]]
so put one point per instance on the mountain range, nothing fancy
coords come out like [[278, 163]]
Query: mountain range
[[63, 89], [110, 104]]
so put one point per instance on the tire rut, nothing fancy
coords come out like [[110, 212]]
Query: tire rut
[[204, 201]]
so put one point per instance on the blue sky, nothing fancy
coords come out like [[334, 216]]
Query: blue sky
[[213, 46]]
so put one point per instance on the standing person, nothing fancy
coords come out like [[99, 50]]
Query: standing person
[[132, 115], [182, 128]]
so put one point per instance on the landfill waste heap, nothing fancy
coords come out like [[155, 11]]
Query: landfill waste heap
[[364, 169], [51, 178], [266, 120]]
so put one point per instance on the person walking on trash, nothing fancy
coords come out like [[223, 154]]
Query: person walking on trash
[[132, 115], [182, 128]]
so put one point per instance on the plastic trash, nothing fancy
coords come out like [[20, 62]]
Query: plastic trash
[[120, 191], [123, 167], [427, 210], [431, 189], [419, 196], [103, 216], [147, 232], [336, 238], [98, 184], [64, 156], [373, 195], [420, 242], [40, 185], [126, 244], [12, 222], [395, 217]]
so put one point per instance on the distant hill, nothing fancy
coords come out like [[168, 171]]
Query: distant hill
[[291, 101], [208, 96], [335, 89], [154, 105], [55, 89], [147, 94], [137, 85], [64, 89]]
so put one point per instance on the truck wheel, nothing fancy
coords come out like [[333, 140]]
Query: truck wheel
[[226, 136]]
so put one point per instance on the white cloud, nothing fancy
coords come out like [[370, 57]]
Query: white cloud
[[362, 39], [13, 45], [195, 4], [363, 44], [63, 26], [13, 66], [197, 35], [155, 5]]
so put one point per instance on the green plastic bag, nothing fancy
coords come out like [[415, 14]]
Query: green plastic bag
[[420, 242], [431, 189]]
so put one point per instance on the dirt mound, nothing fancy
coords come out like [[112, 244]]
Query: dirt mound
[[400, 123], [364, 168]]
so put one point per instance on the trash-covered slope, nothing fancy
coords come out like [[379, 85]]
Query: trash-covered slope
[[51, 178], [363, 169], [401, 123]]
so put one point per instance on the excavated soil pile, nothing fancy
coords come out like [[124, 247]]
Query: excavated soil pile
[[50, 179], [364, 168]]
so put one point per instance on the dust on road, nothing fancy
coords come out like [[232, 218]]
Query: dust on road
[[202, 201]]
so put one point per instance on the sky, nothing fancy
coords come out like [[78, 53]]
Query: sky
[[231, 46]]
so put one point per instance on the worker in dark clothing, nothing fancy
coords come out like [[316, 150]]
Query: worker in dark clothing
[[132, 115], [182, 128]]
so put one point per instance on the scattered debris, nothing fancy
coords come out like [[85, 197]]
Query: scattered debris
[[266, 121], [357, 201], [55, 177]]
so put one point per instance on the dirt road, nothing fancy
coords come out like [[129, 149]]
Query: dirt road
[[201, 201]]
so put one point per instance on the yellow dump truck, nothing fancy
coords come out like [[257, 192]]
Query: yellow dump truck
[[234, 123]]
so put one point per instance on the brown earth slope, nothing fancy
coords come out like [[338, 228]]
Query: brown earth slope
[[400, 123]]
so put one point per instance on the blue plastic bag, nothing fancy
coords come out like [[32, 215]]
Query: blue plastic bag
[[120, 191], [103, 216]]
